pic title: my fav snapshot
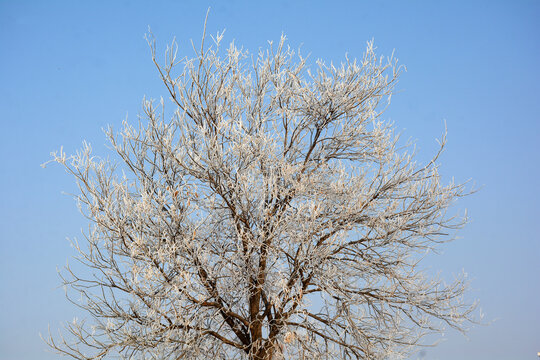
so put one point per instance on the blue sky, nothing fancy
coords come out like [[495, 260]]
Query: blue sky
[[69, 68]]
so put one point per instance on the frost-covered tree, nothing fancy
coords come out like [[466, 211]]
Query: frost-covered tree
[[271, 215]]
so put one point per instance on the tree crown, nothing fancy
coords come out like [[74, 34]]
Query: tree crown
[[273, 215]]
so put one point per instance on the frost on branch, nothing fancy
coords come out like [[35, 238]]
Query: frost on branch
[[271, 216]]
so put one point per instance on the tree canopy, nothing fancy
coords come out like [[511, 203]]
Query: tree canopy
[[273, 214]]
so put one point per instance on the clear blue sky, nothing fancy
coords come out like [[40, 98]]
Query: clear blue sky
[[69, 68]]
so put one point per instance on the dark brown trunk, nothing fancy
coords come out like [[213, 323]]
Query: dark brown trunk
[[264, 352]]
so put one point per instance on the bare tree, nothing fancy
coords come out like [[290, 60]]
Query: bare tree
[[273, 216]]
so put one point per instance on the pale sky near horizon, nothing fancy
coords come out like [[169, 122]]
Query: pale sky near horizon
[[70, 68]]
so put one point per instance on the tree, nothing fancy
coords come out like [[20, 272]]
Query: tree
[[273, 216]]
